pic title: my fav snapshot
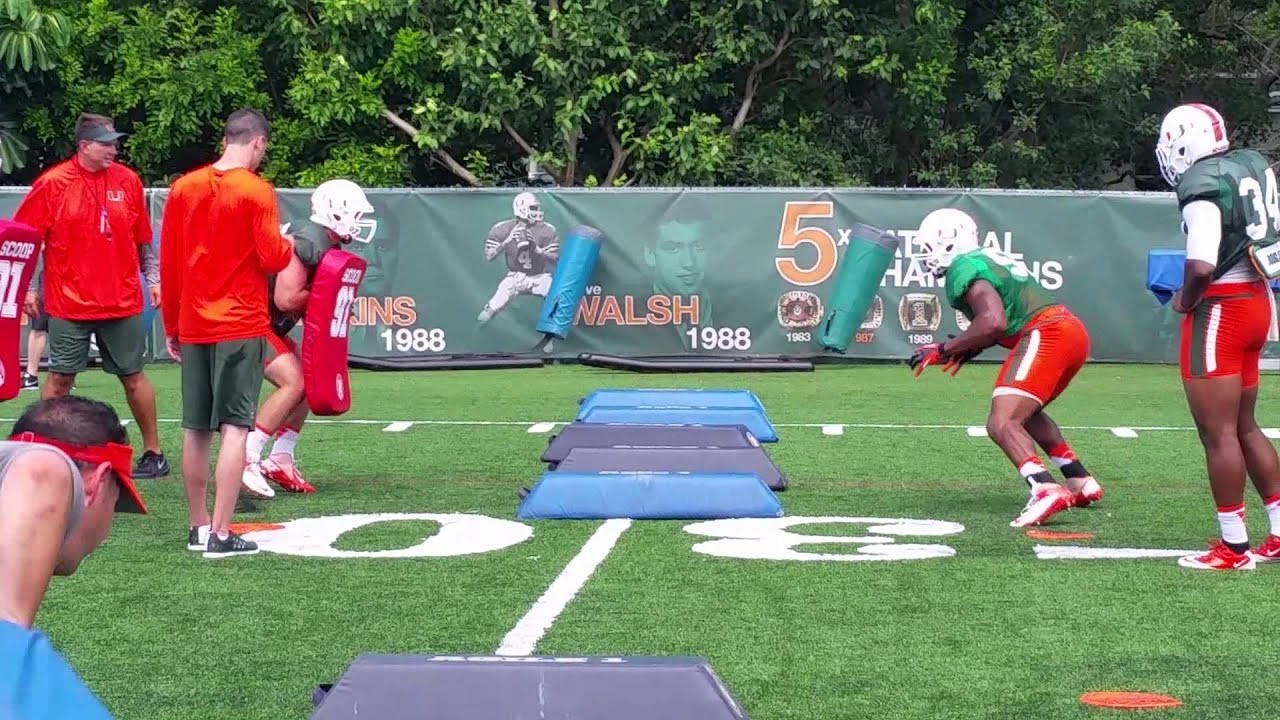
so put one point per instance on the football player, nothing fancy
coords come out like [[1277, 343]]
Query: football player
[[338, 210], [531, 250], [1231, 219], [1048, 345]]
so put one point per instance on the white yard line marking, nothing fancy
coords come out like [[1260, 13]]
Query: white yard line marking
[[400, 426], [1124, 432], [975, 431], [525, 635], [1079, 552], [1273, 433], [832, 430], [542, 427]]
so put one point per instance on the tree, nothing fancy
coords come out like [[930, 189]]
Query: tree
[[30, 41], [597, 91], [990, 93]]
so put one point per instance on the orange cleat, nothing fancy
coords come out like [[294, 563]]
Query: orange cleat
[[1219, 557], [286, 475], [1268, 551]]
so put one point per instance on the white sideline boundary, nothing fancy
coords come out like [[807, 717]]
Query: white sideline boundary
[[524, 637]]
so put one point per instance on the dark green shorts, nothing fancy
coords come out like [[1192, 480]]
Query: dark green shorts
[[221, 383], [121, 342]]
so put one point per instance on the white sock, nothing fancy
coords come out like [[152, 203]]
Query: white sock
[[285, 443], [1231, 520], [1272, 504], [1033, 472], [254, 445]]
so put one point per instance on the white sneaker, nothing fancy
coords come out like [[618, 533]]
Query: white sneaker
[[253, 480]]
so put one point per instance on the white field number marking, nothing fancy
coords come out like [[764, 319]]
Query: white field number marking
[[460, 534], [769, 539]]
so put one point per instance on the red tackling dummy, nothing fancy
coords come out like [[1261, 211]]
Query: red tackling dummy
[[324, 333], [19, 251]]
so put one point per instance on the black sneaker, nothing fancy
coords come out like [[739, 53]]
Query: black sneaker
[[151, 465], [193, 538], [30, 382], [232, 545]]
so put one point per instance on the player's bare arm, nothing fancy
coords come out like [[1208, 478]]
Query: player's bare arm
[[1195, 280], [33, 522], [989, 322], [291, 292]]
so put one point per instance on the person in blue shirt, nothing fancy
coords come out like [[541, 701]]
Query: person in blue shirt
[[64, 472]]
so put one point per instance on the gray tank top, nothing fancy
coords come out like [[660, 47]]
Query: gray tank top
[[9, 452]]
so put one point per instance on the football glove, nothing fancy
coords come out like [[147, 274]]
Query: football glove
[[930, 354], [924, 356]]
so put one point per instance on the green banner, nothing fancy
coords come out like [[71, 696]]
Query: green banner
[[727, 271]]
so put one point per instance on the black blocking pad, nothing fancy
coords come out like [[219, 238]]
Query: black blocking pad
[[621, 435], [702, 460], [433, 687]]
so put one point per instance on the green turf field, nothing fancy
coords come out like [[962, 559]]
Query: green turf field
[[990, 632]]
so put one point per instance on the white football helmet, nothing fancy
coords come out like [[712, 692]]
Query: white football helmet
[[1188, 133], [526, 207], [943, 235], [340, 205]]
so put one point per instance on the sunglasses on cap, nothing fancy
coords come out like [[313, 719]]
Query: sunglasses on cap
[[119, 457]]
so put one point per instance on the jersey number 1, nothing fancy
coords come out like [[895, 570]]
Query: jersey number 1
[[1263, 206], [10, 278], [342, 311]]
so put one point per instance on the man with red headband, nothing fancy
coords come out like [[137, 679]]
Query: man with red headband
[[64, 472]]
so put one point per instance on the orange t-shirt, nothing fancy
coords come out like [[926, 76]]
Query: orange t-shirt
[[92, 224], [219, 240]]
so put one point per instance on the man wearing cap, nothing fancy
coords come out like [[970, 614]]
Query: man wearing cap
[[92, 213], [64, 472]]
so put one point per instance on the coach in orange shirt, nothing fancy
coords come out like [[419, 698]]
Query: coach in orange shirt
[[219, 240], [97, 235]]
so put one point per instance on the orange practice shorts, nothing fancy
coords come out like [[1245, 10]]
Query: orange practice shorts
[[1225, 334], [1045, 356], [279, 346]]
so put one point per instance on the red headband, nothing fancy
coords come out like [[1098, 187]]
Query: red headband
[[119, 457]]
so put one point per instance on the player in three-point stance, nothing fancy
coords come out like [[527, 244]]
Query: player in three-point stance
[[338, 210], [1231, 216], [531, 250], [1048, 345]]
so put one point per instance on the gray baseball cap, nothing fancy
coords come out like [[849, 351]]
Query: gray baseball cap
[[100, 133]]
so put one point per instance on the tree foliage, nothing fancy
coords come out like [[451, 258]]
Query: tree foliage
[[1007, 93]]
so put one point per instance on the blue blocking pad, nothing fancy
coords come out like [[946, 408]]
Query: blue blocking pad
[[1164, 273], [621, 397], [1165, 270], [751, 418], [648, 496]]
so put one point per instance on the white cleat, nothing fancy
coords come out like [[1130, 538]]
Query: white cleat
[[1047, 500], [254, 481]]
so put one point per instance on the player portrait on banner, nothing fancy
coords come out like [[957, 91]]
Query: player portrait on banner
[[678, 303], [529, 246]]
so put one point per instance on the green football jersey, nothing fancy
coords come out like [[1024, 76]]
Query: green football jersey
[[310, 242], [1243, 186], [1019, 291]]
